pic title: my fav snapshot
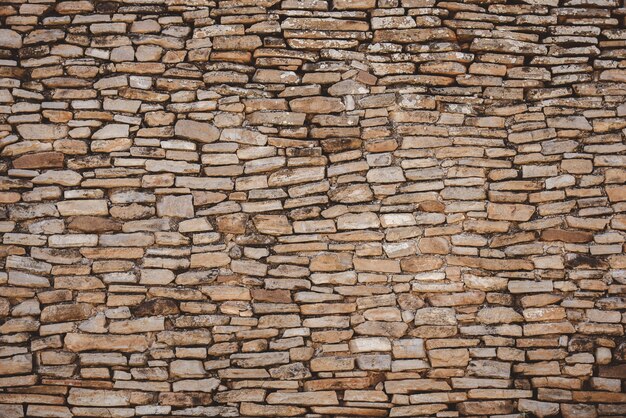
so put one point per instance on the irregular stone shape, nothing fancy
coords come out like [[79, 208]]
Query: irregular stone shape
[[209, 260], [303, 398], [260, 410], [113, 130], [383, 329], [346, 87], [187, 337], [291, 176], [419, 264], [96, 397], [341, 144], [532, 136], [314, 226], [243, 136], [175, 206], [498, 315], [232, 224], [237, 42], [220, 293], [510, 212], [293, 371], [358, 221], [566, 236], [5, 307], [83, 207], [490, 368], [24, 147], [93, 224], [409, 348], [196, 385], [416, 410], [435, 316], [42, 132], [616, 193], [507, 46], [196, 131], [273, 224], [414, 35], [74, 7], [60, 177], [496, 407], [186, 368], [317, 104], [323, 24], [351, 194], [40, 160], [49, 411], [205, 183], [453, 357], [156, 307], [613, 75], [124, 343], [332, 364], [570, 122], [18, 364], [354, 4], [48, 35], [264, 165], [64, 313], [386, 175], [10, 39], [435, 245], [331, 262], [538, 408]]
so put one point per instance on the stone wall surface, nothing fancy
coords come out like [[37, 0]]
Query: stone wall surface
[[320, 208]]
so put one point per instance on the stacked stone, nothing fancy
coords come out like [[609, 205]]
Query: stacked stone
[[317, 208]]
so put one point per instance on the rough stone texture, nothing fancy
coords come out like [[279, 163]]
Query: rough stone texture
[[312, 208]]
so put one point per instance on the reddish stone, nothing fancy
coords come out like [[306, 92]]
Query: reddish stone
[[566, 236], [40, 160], [432, 206], [93, 224]]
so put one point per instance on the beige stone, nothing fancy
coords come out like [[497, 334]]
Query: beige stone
[[317, 104], [303, 398], [196, 131], [87, 342], [176, 206], [507, 212]]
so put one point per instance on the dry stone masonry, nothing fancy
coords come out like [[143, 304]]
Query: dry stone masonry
[[312, 208]]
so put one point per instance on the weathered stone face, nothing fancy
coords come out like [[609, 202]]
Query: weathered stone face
[[293, 208]]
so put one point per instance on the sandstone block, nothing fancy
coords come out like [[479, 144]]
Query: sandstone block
[[196, 131]]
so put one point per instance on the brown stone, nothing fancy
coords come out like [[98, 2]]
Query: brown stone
[[317, 104], [510, 212], [418, 264], [156, 307], [64, 313], [303, 398], [123, 343], [413, 35], [39, 160], [566, 236], [331, 262], [93, 224], [196, 131]]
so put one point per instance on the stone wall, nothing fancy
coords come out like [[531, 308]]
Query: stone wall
[[319, 208]]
